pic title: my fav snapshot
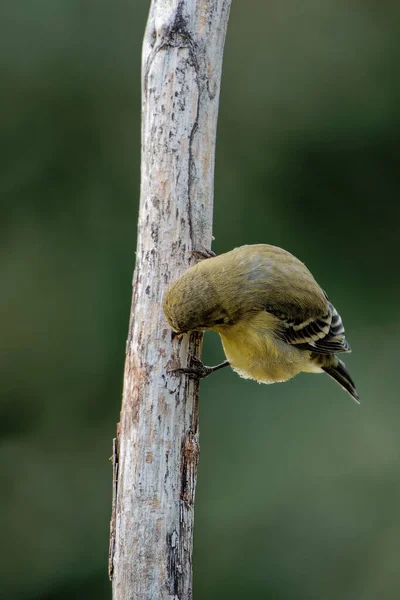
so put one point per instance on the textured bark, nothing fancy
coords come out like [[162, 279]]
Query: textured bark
[[157, 449]]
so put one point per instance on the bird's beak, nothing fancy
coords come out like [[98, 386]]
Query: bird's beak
[[176, 334]]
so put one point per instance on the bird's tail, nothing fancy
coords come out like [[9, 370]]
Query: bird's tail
[[340, 374]]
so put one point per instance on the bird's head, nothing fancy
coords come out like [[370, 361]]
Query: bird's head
[[191, 304]]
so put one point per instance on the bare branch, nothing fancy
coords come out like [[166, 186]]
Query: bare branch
[[158, 447]]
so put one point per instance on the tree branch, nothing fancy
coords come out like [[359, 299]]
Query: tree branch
[[156, 453]]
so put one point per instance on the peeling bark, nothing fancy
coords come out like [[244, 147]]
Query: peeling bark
[[156, 454]]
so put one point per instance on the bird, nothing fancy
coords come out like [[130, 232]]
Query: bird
[[273, 318]]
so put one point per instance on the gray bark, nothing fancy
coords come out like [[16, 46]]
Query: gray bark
[[157, 448]]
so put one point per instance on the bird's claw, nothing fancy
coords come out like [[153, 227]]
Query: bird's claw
[[204, 253], [197, 370]]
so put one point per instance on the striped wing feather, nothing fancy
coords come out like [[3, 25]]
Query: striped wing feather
[[323, 334]]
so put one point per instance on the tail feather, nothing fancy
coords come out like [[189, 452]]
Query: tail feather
[[340, 374]]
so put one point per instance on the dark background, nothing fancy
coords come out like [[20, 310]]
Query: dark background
[[299, 488]]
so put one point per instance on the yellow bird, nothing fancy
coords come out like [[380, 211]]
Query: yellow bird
[[273, 318]]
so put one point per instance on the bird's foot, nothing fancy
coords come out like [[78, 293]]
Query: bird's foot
[[203, 253], [197, 370]]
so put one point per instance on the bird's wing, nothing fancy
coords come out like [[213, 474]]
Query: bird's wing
[[322, 334]]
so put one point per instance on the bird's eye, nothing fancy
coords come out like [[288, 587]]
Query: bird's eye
[[219, 322]]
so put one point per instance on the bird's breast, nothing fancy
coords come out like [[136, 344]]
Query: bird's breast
[[254, 350]]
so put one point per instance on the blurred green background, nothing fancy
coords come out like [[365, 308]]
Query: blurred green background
[[299, 488]]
